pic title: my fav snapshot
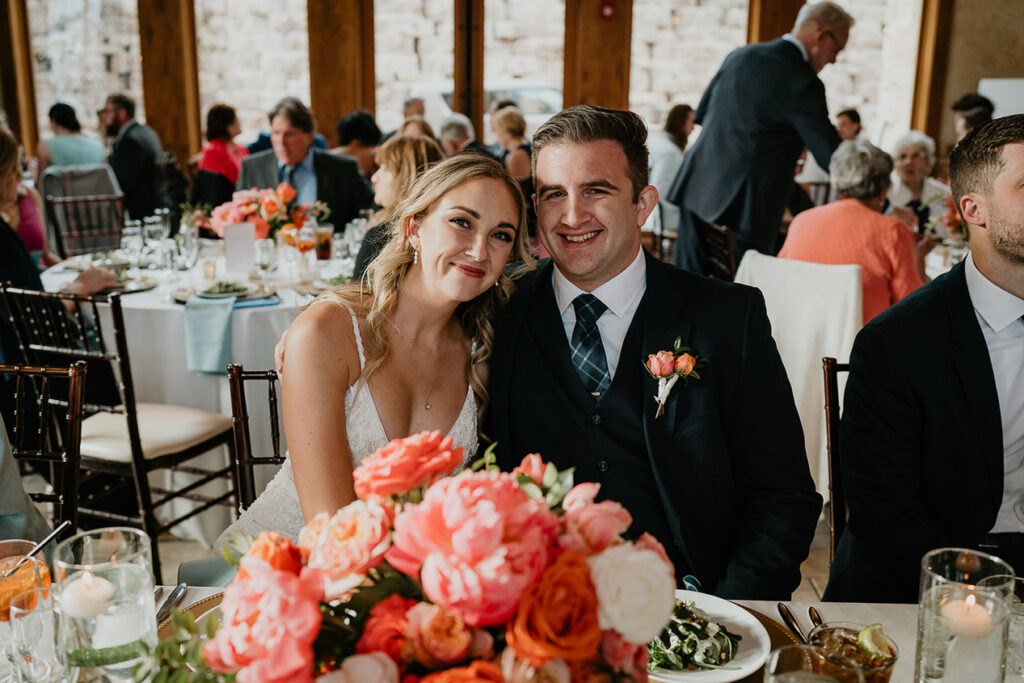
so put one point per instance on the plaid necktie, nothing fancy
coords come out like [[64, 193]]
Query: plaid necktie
[[586, 347]]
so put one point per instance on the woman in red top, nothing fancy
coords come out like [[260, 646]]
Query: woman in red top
[[220, 154], [853, 230]]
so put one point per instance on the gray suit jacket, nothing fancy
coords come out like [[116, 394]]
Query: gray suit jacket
[[338, 182]]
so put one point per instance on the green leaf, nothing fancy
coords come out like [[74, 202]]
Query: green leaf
[[530, 488], [550, 476]]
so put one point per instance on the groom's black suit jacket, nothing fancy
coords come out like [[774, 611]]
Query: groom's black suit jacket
[[721, 478], [922, 442]]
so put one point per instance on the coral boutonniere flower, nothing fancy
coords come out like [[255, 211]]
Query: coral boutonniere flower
[[668, 366]]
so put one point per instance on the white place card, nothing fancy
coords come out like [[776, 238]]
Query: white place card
[[239, 247]]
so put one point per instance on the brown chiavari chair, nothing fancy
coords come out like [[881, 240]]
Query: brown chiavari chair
[[86, 224], [121, 436], [837, 497], [47, 431], [244, 459], [717, 243]]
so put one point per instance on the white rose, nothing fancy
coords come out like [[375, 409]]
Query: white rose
[[373, 667], [635, 591]]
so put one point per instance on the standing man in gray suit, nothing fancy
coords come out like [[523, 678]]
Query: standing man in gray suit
[[314, 173], [765, 104]]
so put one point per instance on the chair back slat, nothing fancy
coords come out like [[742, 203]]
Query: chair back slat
[[87, 224], [837, 496], [244, 458]]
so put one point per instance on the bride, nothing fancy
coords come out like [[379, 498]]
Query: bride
[[402, 351]]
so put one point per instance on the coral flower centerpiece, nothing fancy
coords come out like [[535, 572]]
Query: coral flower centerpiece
[[479, 576], [269, 210]]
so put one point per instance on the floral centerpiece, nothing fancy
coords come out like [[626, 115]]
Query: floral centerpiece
[[195, 216], [481, 576], [949, 219], [269, 210]]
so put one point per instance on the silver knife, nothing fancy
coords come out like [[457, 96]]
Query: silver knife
[[172, 600], [791, 623]]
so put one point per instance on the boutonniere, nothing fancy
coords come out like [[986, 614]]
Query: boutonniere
[[668, 366]]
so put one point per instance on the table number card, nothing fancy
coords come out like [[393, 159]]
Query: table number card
[[239, 246]]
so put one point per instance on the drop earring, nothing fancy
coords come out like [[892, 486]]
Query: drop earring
[[415, 256]]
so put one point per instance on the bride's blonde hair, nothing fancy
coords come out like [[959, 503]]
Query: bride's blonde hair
[[375, 297]]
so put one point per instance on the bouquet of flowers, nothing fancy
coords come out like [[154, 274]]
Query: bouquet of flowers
[[269, 210], [195, 215], [481, 576], [949, 219]]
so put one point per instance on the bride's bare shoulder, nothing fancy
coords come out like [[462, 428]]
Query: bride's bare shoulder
[[323, 334]]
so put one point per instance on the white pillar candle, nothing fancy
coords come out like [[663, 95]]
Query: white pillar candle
[[86, 596], [966, 618]]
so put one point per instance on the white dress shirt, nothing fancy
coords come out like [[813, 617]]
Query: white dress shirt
[[999, 314], [621, 294]]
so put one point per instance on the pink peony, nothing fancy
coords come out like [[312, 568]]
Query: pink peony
[[347, 545], [591, 527], [270, 621], [406, 464], [477, 542]]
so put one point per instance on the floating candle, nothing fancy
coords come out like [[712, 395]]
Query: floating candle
[[966, 618], [86, 596]]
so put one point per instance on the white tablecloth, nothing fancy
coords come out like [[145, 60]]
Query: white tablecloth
[[155, 328]]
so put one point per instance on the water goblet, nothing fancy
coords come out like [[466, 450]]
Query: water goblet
[[265, 256], [132, 240], [188, 247], [37, 643]]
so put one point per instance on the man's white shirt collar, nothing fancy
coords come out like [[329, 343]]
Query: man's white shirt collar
[[800, 46], [618, 294], [997, 307]]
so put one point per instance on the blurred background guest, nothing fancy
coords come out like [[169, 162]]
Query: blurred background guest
[[416, 125], [497, 151], [971, 111], [853, 230], [21, 208], [411, 107], [67, 147], [912, 187], [510, 129], [458, 135], [667, 146], [358, 137], [220, 159], [400, 161], [133, 157], [848, 124]]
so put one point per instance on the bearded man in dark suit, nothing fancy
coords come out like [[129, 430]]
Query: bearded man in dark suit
[[133, 157], [932, 432], [721, 478], [765, 104], [315, 174]]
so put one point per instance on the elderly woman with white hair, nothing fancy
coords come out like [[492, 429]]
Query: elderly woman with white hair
[[853, 229], [914, 154]]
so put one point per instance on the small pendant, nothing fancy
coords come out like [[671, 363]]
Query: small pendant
[[427, 406]]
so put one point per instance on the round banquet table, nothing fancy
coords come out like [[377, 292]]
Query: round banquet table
[[155, 330]]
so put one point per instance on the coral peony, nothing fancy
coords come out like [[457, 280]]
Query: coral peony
[[477, 542], [406, 464], [347, 545], [591, 527], [635, 591], [277, 551], [436, 637], [384, 630], [269, 623], [477, 672], [364, 668], [557, 617]]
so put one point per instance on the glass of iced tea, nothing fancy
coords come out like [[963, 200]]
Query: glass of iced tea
[[324, 232], [807, 664], [867, 647]]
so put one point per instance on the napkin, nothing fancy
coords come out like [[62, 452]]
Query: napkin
[[254, 303], [208, 334]]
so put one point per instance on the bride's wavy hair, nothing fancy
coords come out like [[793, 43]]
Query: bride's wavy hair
[[375, 297]]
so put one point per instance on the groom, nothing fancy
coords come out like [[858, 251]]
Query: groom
[[721, 479]]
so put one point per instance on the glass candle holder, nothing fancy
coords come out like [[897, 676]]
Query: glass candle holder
[[963, 616], [106, 598]]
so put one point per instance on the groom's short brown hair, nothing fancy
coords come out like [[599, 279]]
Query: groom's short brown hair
[[587, 123]]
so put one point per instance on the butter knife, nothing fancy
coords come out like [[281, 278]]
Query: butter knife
[[172, 600], [791, 623]]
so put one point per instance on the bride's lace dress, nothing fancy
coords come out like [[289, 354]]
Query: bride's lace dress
[[277, 508]]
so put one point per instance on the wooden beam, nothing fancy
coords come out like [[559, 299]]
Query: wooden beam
[[468, 86], [770, 19], [597, 45], [16, 81], [932, 60], [341, 71], [170, 76]]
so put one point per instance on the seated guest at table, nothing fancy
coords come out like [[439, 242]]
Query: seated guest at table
[[24, 214], [853, 229], [912, 187], [358, 137], [848, 124], [510, 128], [457, 135], [67, 147], [354, 372], [133, 157], [416, 125], [401, 160], [315, 174], [568, 382], [969, 112], [667, 147], [220, 158], [933, 423]]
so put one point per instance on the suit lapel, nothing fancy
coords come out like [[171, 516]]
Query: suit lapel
[[971, 359]]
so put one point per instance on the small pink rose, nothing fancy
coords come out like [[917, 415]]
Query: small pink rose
[[685, 364], [661, 364], [532, 466]]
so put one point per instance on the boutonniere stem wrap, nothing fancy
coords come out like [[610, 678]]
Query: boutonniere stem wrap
[[668, 366]]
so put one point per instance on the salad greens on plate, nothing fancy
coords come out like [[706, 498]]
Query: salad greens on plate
[[692, 641]]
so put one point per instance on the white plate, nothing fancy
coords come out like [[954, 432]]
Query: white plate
[[250, 289], [750, 656]]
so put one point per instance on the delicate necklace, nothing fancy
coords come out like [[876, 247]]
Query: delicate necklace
[[426, 401]]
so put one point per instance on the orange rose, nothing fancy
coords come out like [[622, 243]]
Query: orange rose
[[385, 629], [557, 617], [477, 672], [533, 467], [406, 464], [661, 364], [436, 637], [685, 363], [286, 192], [276, 551]]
